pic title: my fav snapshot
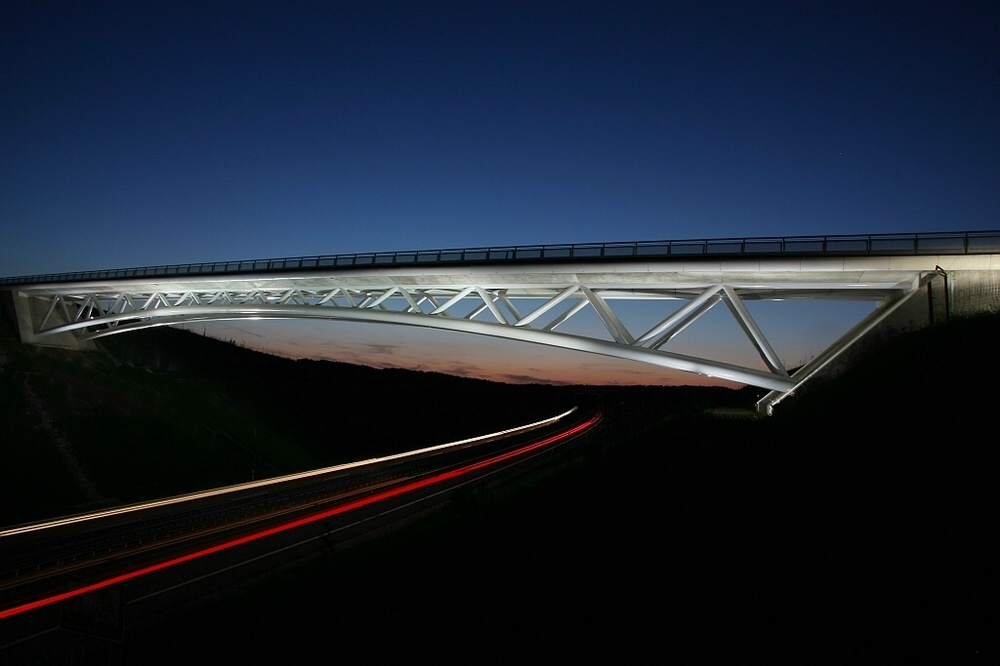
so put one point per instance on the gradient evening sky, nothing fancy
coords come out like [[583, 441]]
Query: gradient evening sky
[[147, 133]]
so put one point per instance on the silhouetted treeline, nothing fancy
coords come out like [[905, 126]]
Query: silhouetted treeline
[[340, 411]]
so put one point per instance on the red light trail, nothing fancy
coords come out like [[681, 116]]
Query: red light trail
[[343, 508]]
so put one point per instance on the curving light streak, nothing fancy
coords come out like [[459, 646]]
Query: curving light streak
[[34, 527], [356, 504]]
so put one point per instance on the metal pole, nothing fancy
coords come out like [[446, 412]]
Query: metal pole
[[947, 295], [930, 303]]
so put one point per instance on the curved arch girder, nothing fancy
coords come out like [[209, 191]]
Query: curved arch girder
[[120, 323]]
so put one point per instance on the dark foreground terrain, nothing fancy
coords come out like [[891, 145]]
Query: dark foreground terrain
[[163, 412], [857, 525]]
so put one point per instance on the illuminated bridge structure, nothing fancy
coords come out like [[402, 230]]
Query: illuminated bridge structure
[[526, 293]]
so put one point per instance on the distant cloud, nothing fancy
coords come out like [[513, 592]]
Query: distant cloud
[[462, 370], [532, 379], [380, 348], [236, 330]]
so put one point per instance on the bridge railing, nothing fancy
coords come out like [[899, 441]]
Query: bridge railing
[[959, 242]]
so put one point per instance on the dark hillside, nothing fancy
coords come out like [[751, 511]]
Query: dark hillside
[[81, 431], [858, 525], [163, 411], [166, 411], [338, 411]]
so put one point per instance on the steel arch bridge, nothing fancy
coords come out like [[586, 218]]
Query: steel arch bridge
[[524, 293]]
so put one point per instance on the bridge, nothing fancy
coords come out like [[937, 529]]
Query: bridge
[[526, 293]]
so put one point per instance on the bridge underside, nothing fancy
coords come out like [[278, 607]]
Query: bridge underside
[[529, 305]]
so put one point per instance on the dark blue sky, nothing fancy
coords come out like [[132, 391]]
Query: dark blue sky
[[143, 133], [137, 133]]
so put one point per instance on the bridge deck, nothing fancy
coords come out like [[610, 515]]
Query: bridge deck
[[754, 249]]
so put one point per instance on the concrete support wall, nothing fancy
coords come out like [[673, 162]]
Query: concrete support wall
[[960, 293], [28, 310], [974, 291]]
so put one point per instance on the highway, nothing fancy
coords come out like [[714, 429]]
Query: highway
[[175, 549]]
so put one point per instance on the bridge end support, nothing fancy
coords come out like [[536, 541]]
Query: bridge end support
[[27, 311], [765, 406]]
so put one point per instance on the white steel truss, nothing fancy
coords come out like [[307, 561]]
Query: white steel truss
[[515, 310]]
